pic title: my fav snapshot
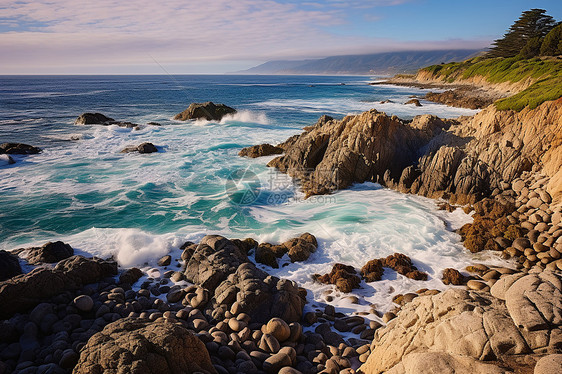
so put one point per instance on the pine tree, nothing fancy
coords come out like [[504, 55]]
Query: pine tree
[[552, 44], [534, 23]]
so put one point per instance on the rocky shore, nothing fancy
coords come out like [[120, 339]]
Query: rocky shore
[[215, 311]]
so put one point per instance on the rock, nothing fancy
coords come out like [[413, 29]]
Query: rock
[[84, 303], [9, 265], [403, 265], [92, 119], [277, 361], [18, 149], [25, 291], [415, 102], [49, 253], [279, 329], [130, 276], [344, 277], [208, 111], [141, 148], [441, 362], [301, 248], [165, 261], [549, 364], [474, 325], [373, 270], [476, 285], [260, 151], [453, 276], [221, 267], [6, 160], [159, 347]]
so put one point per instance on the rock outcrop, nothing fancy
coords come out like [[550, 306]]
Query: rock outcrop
[[9, 265], [459, 329], [142, 346], [141, 148], [209, 111], [50, 252], [460, 97], [100, 119], [260, 151], [464, 159], [27, 290], [18, 149], [298, 249], [225, 276], [414, 102]]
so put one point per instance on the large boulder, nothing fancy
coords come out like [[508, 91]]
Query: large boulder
[[9, 265], [472, 327], [18, 149], [27, 290], [260, 151], [140, 346], [209, 111], [50, 252], [223, 268]]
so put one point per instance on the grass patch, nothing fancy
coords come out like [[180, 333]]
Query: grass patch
[[547, 74]]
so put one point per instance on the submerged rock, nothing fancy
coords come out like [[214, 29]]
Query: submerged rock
[[9, 265], [142, 346], [209, 111], [260, 151], [18, 149]]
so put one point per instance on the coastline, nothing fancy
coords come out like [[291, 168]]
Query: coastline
[[120, 302]]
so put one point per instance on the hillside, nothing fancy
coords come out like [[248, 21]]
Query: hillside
[[526, 82], [379, 63]]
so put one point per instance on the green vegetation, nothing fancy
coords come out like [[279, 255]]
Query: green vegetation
[[525, 53], [545, 72], [524, 38]]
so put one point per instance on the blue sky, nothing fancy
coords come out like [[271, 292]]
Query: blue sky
[[215, 36]]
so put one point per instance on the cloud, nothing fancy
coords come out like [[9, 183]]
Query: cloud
[[55, 33]]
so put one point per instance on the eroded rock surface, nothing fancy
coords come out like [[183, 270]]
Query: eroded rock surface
[[461, 329], [144, 347]]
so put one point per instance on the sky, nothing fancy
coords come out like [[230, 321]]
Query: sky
[[217, 36]]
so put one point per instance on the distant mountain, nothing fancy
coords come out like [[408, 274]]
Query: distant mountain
[[378, 63]]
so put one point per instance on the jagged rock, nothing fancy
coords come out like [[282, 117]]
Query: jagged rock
[[24, 291], [221, 267], [260, 150], [403, 265], [100, 119], [50, 252], [18, 149], [373, 270], [209, 111], [142, 346], [141, 148], [344, 277], [298, 249], [9, 265], [415, 102], [474, 325]]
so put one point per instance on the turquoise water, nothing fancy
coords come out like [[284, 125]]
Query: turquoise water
[[139, 207]]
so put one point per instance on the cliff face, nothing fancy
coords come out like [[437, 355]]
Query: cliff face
[[463, 159]]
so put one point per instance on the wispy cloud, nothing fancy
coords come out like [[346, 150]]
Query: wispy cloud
[[84, 32]]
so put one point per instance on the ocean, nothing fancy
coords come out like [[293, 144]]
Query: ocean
[[139, 207]]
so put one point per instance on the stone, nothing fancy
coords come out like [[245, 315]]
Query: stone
[[260, 151], [26, 291], [50, 252], [372, 271], [344, 277], [415, 102], [165, 261], [18, 149], [209, 111], [130, 276], [549, 364], [453, 276], [9, 265], [159, 347], [141, 148], [84, 303], [274, 363], [92, 119], [279, 329], [476, 285]]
